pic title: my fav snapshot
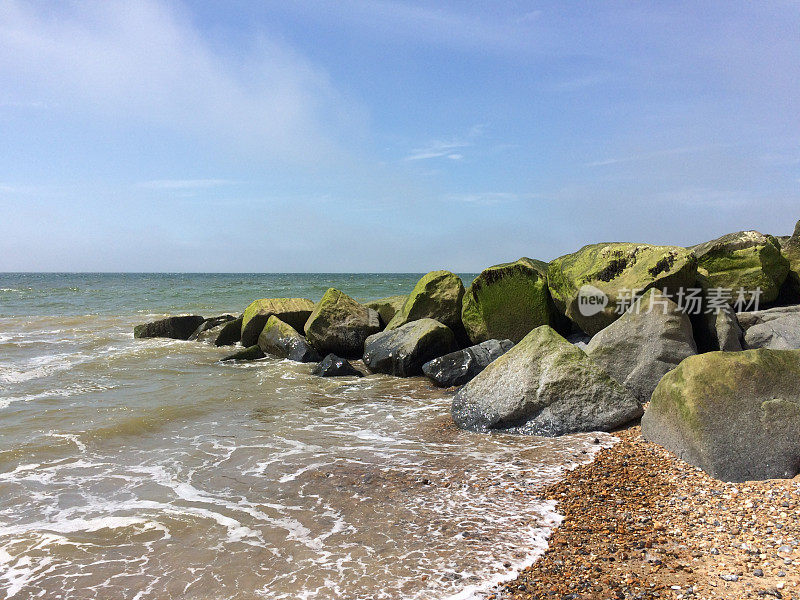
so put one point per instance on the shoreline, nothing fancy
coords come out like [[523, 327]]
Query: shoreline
[[640, 523]]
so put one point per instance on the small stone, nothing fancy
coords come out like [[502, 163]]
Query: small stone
[[758, 573], [727, 577]]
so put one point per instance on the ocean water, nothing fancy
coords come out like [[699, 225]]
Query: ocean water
[[146, 469]]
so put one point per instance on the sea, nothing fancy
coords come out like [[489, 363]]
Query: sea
[[147, 469]]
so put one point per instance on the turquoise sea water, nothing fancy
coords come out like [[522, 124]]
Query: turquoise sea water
[[146, 469]]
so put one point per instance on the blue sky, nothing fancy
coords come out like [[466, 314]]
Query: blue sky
[[388, 136]]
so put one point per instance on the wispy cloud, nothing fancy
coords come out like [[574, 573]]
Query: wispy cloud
[[648, 155], [438, 149], [184, 184]]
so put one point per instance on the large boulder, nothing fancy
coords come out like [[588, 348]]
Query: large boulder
[[229, 333], [736, 415], [387, 308], [177, 328], [209, 324], [340, 325], [404, 350], [335, 366], [544, 386], [507, 301], [249, 353], [436, 296], [294, 311], [726, 333], [752, 318], [647, 342], [282, 340], [459, 367], [782, 333], [609, 272], [745, 260]]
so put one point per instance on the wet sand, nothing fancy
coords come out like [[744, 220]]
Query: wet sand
[[639, 523]]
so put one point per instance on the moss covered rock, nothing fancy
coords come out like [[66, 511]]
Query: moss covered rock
[[436, 296], [339, 325], [790, 294], [543, 386], [507, 301], [404, 350], [249, 353], [614, 269], [736, 415], [744, 260], [294, 311], [387, 308], [282, 340]]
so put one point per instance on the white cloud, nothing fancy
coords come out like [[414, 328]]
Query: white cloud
[[437, 149], [487, 198], [144, 62]]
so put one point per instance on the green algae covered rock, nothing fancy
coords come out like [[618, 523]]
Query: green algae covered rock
[[790, 294], [612, 270], [507, 301], [736, 415], [387, 308], [294, 311], [744, 260], [282, 340], [339, 325], [543, 386], [436, 296], [249, 353]]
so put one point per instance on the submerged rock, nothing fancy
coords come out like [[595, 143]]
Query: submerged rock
[[387, 307], [250, 353], [507, 301], [610, 272], [177, 328], [282, 340], [404, 350], [339, 325], [229, 333], [459, 367], [544, 386], [209, 324], [294, 311], [647, 342], [335, 366], [745, 260], [736, 415], [437, 296]]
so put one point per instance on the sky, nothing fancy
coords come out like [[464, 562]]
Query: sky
[[388, 136]]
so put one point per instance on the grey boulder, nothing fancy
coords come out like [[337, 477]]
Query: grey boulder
[[403, 351], [177, 328], [644, 344], [736, 415], [544, 386], [459, 367], [213, 323]]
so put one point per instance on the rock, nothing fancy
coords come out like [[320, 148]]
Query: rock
[[782, 333], [507, 301], [177, 328], [643, 345], [387, 307], [334, 366], [229, 333], [211, 323], [744, 260], [403, 351], [749, 319], [736, 415], [282, 340], [544, 386], [727, 334], [250, 353], [579, 340], [436, 296], [458, 367], [293, 311], [340, 325], [790, 292], [613, 270]]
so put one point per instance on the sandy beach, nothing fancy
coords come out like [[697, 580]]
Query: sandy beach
[[640, 523]]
